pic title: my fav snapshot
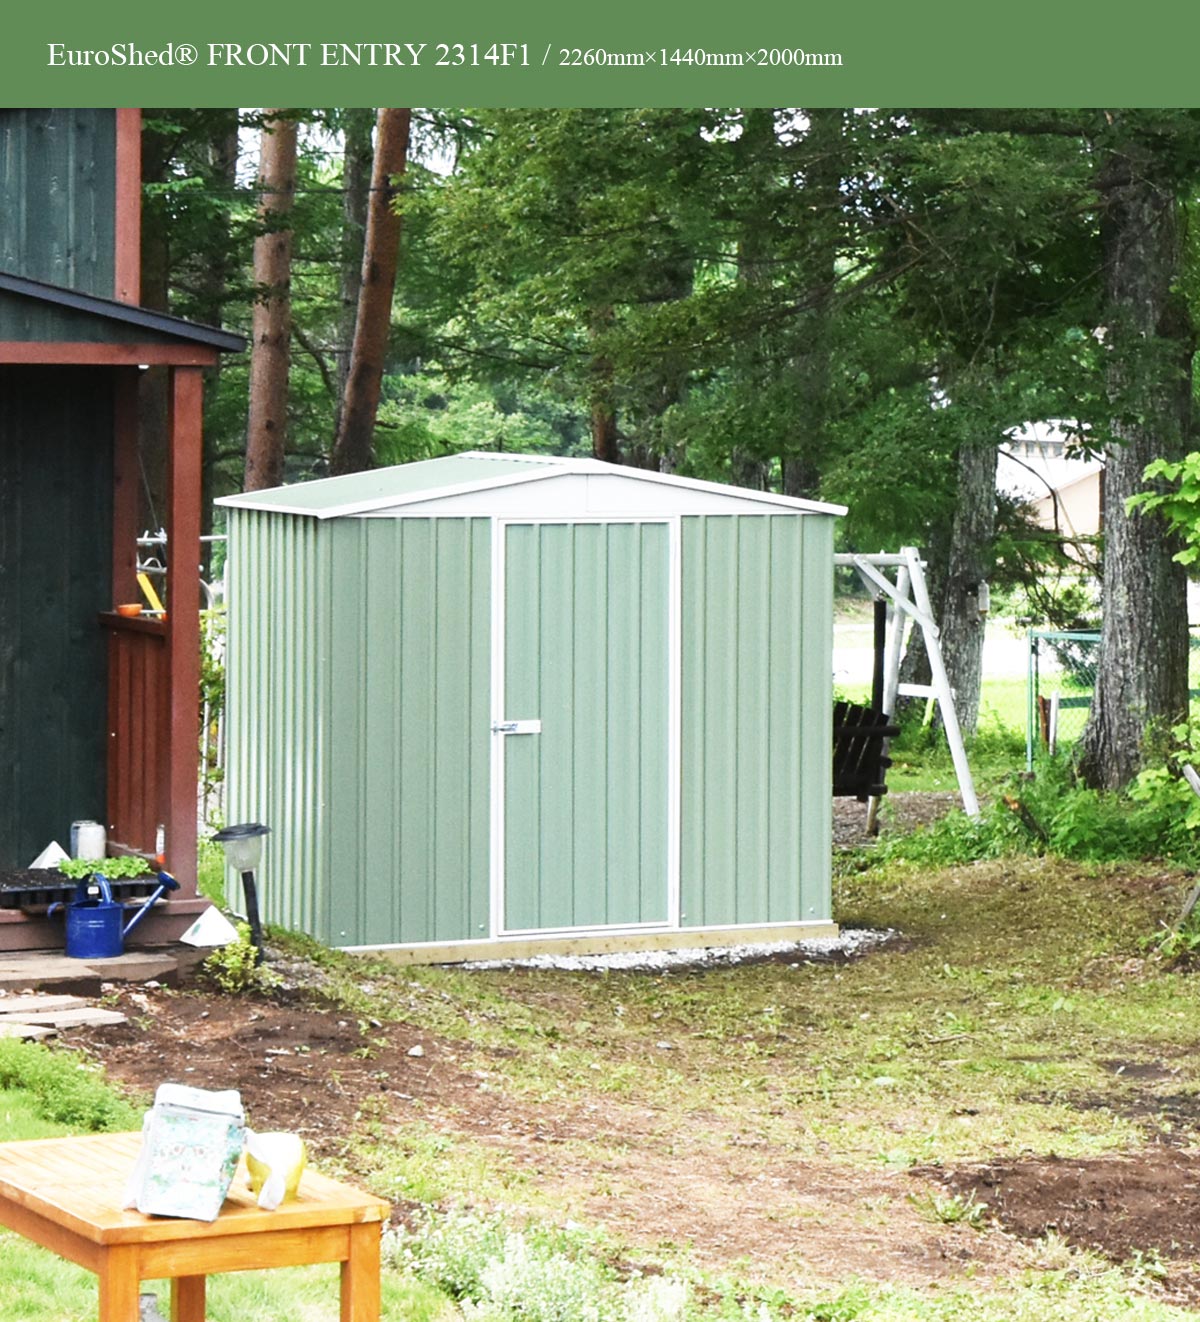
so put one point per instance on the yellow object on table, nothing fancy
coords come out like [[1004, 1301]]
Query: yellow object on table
[[274, 1163]]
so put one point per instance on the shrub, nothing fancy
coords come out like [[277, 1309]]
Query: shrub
[[1054, 812], [234, 967], [66, 1090], [542, 1274]]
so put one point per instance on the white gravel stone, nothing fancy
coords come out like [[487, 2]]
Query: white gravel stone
[[850, 941]]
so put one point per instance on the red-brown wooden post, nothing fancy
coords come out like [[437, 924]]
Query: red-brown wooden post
[[183, 620], [127, 263]]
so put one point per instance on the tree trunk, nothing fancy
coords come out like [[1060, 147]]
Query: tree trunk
[[271, 325], [602, 397], [961, 625], [760, 168], [605, 444], [214, 292], [156, 281], [357, 160], [352, 450], [804, 450], [914, 665], [1142, 685]]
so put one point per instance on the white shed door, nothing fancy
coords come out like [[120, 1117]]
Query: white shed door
[[583, 718]]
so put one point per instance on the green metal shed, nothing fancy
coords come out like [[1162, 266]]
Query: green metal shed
[[508, 703]]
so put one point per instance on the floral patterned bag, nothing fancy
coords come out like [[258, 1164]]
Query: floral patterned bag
[[191, 1143]]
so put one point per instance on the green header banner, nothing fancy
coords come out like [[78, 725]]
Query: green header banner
[[925, 53]]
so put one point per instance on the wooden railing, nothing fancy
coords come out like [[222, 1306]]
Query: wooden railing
[[138, 730]]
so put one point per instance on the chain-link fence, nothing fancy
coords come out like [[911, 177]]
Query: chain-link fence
[[1062, 679]]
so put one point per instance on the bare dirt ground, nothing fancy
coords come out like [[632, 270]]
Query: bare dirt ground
[[900, 813], [728, 1197], [732, 1199]]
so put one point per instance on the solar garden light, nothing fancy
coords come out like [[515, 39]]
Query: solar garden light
[[243, 851]]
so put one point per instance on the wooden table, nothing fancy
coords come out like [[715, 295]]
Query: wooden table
[[66, 1194]]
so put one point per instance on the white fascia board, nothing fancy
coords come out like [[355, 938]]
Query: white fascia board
[[701, 484], [573, 494], [541, 468], [590, 489], [384, 503]]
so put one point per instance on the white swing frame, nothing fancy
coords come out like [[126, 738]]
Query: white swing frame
[[909, 597]]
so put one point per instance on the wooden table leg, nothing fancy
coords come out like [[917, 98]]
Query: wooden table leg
[[119, 1284], [187, 1298], [360, 1274]]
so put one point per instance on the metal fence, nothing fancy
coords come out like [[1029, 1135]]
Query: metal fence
[[1062, 678]]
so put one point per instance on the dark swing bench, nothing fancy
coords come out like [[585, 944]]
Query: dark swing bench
[[860, 734], [860, 759]]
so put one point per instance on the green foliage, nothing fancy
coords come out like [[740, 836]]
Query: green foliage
[[1052, 812], [123, 865], [212, 656], [1179, 505], [423, 415], [952, 1209], [211, 871], [67, 1090], [233, 967], [543, 1273], [212, 697], [1180, 944]]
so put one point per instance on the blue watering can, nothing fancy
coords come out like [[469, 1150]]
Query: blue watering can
[[96, 926]]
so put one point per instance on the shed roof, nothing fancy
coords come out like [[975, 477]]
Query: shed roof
[[479, 471]]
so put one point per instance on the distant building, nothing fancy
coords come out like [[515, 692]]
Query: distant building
[[1063, 489]]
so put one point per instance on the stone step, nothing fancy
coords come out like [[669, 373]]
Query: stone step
[[91, 1015], [52, 971], [38, 1003], [30, 1032]]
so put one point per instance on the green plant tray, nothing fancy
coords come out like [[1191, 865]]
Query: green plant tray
[[35, 888]]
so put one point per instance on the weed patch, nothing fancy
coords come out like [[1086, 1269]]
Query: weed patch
[[542, 1273], [65, 1089], [1051, 812]]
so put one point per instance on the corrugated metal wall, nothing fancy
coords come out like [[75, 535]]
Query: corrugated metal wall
[[757, 625], [359, 718], [359, 721], [55, 557], [57, 190], [586, 652], [278, 683]]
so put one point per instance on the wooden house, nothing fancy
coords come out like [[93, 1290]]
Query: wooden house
[[98, 712]]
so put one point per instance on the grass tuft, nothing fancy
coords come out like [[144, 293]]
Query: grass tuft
[[64, 1088]]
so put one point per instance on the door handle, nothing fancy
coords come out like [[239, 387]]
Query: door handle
[[516, 727]]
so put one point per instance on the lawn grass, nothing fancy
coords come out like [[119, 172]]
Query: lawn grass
[[988, 1031], [975, 1038]]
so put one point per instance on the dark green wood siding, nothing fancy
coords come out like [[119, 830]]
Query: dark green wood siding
[[26, 319], [57, 196], [55, 556]]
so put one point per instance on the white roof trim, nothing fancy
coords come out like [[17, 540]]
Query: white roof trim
[[394, 501], [542, 466]]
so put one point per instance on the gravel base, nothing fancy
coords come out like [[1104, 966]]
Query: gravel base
[[848, 943]]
